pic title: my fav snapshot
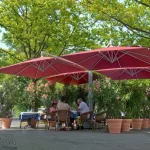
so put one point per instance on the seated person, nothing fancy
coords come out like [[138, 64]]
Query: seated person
[[82, 108], [53, 107], [63, 105]]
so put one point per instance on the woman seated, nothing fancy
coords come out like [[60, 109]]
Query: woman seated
[[53, 107]]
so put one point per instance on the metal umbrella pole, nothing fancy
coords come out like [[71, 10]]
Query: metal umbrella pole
[[90, 94]]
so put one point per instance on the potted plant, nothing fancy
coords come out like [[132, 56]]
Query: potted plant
[[5, 118], [7, 102], [136, 99], [145, 112], [126, 122], [127, 107], [108, 96]]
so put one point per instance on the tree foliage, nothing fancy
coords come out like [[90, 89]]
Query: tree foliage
[[57, 27], [126, 22]]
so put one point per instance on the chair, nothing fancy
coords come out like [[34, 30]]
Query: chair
[[62, 116], [42, 120], [87, 117], [100, 120], [51, 119]]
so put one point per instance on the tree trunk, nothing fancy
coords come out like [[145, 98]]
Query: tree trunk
[[36, 103]]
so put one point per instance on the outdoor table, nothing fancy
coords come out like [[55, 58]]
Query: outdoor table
[[26, 116], [73, 114]]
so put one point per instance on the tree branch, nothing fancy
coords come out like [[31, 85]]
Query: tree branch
[[142, 3], [68, 39], [10, 54], [24, 49], [146, 37], [127, 25]]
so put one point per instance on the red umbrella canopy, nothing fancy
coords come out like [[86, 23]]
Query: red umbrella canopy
[[42, 67], [127, 73], [72, 78], [112, 57]]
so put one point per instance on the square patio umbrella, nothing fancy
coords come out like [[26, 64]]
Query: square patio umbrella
[[108, 58], [42, 67], [111, 57]]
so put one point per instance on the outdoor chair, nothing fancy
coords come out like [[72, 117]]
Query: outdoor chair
[[100, 120], [51, 119], [87, 117], [42, 120], [62, 117]]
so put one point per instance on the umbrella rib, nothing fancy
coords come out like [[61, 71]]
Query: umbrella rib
[[110, 54], [50, 65], [88, 58], [23, 69], [116, 59], [74, 76], [36, 73], [109, 73], [62, 78], [80, 76], [73, 63], [136, 75], [35, 65], [85, 79], [38, 69], [55, 69], [124, 70], [137, 57], [97, 63], [104, 56], [71, 80], [146, 69]]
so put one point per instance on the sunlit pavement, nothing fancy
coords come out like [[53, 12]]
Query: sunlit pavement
[[39, 139]]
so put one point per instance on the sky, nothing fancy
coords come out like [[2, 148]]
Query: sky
[[2, 45]]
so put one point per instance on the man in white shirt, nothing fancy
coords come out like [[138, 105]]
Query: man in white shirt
[[82, 108]]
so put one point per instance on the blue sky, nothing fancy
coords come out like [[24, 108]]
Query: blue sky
[[2, 45]]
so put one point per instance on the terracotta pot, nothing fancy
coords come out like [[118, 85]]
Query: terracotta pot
[[126, 125], [114, 125], [149, 123], [6, 122], [137, 124], [145, 123]]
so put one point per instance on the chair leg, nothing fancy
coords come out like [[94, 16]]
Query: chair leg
[[94, 125], [20, 123], [56, 126], [45, 122], [48, 124], [37, 125], [67, 124]]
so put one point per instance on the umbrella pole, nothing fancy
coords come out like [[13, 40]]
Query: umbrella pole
[[90, 94]]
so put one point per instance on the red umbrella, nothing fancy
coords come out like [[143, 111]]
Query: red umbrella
[[42, 67], [112, 57], [127, 73], [80, 77]]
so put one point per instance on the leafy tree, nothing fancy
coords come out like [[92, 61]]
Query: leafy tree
[[126, 22], [11, 93], [42, 25]]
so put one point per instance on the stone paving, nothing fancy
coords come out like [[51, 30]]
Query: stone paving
[[33, 139]]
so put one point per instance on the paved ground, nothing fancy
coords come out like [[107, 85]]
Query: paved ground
[[31, 139]]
